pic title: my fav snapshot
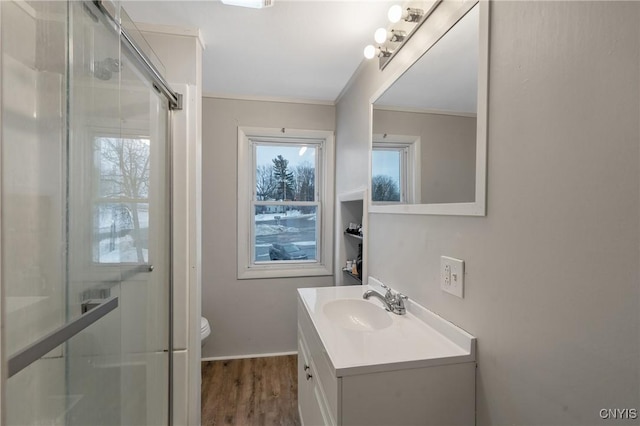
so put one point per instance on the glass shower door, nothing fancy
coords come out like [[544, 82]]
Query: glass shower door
[[33, 50], [86, 220], [118, 224]]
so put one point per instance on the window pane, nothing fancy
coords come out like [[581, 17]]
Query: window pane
[[285, 233], [285, 172], [121, 233], [385, 175], [121, 220], [123, 167]]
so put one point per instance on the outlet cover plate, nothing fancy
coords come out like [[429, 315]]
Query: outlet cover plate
[[452, 276]]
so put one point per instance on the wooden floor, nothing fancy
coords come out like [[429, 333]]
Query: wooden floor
[[255, 391]]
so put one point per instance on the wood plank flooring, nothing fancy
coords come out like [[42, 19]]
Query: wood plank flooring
[[254, 391]]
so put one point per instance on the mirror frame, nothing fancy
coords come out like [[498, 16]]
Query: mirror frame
[[479, 206]]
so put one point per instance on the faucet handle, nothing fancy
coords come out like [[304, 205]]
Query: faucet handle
[[389, 294], [399, 302]]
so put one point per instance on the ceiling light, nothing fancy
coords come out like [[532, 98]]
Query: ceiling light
[[255, 4], [395, 13], [380, 36], [369, 51]]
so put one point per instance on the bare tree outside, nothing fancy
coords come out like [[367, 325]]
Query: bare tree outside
[[265, 182], [124, 185], [305, 177], [384, 188]]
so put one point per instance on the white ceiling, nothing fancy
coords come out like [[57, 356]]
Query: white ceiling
[[297, 49]]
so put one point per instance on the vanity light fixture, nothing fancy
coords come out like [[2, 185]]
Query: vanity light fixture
[[381, 52], [384, 52], [395, 13], [390, 41], [370, 51], [254, 4], [412, 14], [380, 36], [397, 36]]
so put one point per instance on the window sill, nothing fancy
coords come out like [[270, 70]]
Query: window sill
[[255, 273]]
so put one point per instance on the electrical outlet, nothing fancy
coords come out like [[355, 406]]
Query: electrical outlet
[[452, 276], [446, 277]]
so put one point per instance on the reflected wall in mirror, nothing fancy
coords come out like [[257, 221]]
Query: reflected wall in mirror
[[428, 149]]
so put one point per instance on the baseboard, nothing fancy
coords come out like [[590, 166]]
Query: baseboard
[[223, 358]]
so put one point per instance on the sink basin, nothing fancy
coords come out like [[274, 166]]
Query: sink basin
[[357, 315]]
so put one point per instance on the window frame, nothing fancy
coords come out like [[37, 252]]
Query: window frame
[[248, 139], [410, 170]]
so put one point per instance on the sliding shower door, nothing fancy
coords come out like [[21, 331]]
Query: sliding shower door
[[85, 221], [33, 212]]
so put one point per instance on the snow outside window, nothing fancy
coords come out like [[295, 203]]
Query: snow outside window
[[121, 203]]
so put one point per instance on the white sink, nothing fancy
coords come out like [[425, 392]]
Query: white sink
[[357, 315]]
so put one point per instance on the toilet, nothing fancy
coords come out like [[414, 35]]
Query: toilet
[[205, 329]]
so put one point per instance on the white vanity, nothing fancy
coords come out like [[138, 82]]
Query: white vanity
[[361, 365]]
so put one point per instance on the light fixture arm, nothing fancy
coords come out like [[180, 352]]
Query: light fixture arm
[[413, 14], [397, 36]]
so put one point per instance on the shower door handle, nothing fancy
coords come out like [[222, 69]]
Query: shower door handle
[[23, 358]]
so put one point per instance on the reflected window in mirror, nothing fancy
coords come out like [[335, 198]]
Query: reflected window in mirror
[[395, 169]]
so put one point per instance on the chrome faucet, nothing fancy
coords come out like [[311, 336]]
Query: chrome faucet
[[393, 302]]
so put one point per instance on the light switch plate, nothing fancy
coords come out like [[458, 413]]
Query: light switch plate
[[452, 276]]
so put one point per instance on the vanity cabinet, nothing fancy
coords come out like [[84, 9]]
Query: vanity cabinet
[[317, 385], [433, 395]]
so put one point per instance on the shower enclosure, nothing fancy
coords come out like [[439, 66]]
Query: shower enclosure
[[85, 218]]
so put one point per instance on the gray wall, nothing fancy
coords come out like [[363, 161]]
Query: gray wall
[[247, 316], [447, 151], [552, 275]]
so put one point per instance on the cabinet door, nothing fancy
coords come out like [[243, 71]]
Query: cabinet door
[[310, 413]]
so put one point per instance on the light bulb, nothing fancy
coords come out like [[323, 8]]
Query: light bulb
[[380, 36], [369, 51], [395, 13]]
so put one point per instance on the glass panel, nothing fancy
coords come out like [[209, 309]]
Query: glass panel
[[93, 358], [121, 230], [84, 203], [386, 169], [121, 233], [122, 165], [119, 209], [42, 393], [33, 139], [145, 307], [285, 233], [130, 27], [285, 172]]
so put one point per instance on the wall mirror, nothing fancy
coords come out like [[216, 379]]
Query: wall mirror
[[429, 127]]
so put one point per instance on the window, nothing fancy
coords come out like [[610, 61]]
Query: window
[[285, 203], [121, 204], [395, 173]]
